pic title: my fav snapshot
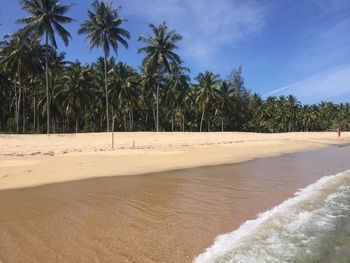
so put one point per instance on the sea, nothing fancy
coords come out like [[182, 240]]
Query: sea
[[311, 227]]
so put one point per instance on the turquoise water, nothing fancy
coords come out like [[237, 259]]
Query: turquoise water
[[312, 227]]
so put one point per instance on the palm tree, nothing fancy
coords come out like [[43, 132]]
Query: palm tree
[[208, 83], [47, 16], [178, 85], [293, 106], [159, 51], [103, 30], [99, 80], [124, 82], [225, 100], [20, 59], [76, 93], [148, 82]]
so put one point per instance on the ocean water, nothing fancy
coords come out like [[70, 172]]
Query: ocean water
[[311, 227]]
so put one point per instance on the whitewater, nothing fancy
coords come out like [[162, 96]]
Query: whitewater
[[313, 226]]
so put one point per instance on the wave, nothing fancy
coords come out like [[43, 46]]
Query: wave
[[312, 226]]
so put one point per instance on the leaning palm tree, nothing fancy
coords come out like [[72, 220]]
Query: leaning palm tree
[[208, 84], [47, 16], [103, 30], [159, 51]]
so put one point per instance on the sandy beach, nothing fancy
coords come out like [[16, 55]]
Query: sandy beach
[[160, 217], [31, 160]]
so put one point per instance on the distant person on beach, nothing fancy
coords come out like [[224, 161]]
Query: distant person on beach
[[338, 131]]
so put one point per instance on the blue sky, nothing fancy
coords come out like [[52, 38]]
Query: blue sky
[[299, 47]]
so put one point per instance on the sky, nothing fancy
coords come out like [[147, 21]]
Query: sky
[[299, 47]]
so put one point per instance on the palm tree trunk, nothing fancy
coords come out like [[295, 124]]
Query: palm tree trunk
[[113, 119], [131, 116], [154, 118], [106, 90], [37, 123], [20, 91], [124, 120], [183, 122], [202, 118], [16, 99], [54, 124], [47, 84], [34, 115], [18, 107], [18, 103], [23, 114], [76, 125], [157, 126], [222, 124]]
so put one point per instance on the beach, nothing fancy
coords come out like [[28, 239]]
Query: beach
[[159, 217], [154, 197], [32, 160]]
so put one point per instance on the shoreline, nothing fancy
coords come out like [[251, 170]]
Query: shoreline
[[34, 160], [162, 217]]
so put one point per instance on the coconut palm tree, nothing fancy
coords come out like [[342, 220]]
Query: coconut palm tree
[[225, 101], [46, 17], [125, 92], [178, 88], [159, 51], [148, 82], [293, 106], [20, 59], [103, 29], [208, 84], [76, 93]]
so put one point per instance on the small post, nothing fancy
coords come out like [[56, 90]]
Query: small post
[[133, 144]]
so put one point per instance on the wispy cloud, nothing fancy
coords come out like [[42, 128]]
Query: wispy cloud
[[207, 25], [330, 85]]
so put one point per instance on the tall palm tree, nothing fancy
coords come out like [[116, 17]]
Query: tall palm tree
[[148, 82], [225, 100], [178, 85], [159, 51], [20, 58], [46, 17], [293, 106], [208, 84], [103, 29], [76, 93], [124, 82]]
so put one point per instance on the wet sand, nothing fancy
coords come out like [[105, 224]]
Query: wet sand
[[161, 217]]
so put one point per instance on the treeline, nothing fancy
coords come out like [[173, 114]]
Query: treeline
[[42, 92]]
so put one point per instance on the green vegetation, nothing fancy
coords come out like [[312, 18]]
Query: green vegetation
[[42, 92]]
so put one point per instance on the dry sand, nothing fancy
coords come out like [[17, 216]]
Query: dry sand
[[31, 160]]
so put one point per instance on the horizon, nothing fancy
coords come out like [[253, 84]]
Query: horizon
[[310, 59]]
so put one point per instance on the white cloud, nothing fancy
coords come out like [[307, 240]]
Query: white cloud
[[206, 25], [329, 85]]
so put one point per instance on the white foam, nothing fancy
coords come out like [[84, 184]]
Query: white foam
[[290, 219]]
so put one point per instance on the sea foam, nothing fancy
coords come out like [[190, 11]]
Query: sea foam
[[312, 226]]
